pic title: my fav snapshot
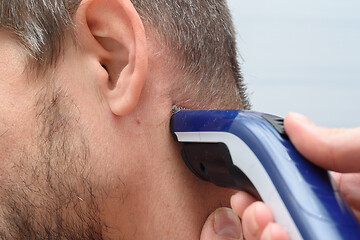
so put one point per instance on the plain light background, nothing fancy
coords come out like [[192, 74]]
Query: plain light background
[[303, 56]]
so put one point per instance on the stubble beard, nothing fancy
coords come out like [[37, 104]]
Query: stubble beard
[[52, 194]]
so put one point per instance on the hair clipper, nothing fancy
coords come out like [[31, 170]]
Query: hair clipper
[[250, 151]]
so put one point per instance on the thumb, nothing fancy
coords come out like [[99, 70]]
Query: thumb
[[223, 224], [333, 149]]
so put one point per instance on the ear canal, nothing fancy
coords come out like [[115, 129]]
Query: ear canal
[[116, 62]]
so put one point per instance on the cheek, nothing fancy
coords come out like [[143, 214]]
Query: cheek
[[17, 134], [18, 125], [17, 114], [16, 95]]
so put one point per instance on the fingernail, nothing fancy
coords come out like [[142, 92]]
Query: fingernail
[[227, 224]]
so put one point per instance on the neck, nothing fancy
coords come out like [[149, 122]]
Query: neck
[[162, 196]]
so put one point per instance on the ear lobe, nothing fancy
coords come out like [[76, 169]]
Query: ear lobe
[[118, 29]]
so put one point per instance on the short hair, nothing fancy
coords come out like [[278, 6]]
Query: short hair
[[199, 34]]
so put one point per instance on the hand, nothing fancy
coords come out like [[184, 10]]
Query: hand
[[257, 221], [336, 150], [257, 218], [333, 149]]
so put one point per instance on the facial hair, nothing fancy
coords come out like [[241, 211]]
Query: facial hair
[[52, 194]]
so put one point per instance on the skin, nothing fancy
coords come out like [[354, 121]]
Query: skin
[[69, 164], [86, 150], [335, 150]]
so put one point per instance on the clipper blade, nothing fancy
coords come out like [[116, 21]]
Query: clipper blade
[[176, 108]]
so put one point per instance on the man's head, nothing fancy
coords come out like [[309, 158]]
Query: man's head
[[87, 89]]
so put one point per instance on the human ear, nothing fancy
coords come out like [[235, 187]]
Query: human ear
[[118, 36]]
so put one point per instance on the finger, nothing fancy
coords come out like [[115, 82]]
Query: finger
[[274, 231], [240, 201], [357, 214], [349, 183], [223, 224], [333, 149], [337, 177], [255, 219]]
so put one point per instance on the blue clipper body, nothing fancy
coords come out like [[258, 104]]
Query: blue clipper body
[[250, 151]]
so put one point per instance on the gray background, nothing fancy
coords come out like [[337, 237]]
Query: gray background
[[301, 55]]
